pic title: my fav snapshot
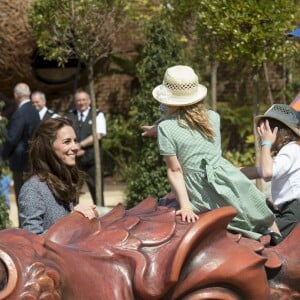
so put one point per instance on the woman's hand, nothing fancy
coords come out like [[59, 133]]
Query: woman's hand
[[89, 211], [187, 215]]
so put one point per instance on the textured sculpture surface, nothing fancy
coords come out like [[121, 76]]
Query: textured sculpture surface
[[147, 253]]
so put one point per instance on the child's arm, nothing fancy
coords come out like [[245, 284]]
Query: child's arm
[[149, 130], [268, 137], [251, 172], [177, 183]]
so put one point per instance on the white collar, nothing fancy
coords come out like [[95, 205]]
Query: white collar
[[42, 112], [84, 113], [23, 102]]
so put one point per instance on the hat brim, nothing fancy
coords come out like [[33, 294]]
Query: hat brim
[[173, 100], [257, 119]]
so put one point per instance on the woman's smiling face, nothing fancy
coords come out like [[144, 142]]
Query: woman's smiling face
[[65, 145]]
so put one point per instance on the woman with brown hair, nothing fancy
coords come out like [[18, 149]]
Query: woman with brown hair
[[53, 183]]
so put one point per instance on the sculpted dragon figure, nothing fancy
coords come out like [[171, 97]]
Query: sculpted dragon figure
[[147, 253]]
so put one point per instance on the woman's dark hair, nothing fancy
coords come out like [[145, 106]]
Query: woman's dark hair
[[64, 181]]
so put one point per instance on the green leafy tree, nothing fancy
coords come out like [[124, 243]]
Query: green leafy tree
[[4, 217], [234, 31], [147, 175], [237, 132], [84, 30], [118, 148]]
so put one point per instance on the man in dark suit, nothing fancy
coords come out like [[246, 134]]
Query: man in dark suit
[[39, 101], [20, 129]]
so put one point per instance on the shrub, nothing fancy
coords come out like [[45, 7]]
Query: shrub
[[237, 134], [147, 173], [4, 217]]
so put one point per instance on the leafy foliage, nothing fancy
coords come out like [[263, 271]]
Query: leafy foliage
[[252, 30], [237, 134], [117, 145], [247, 33], [84, 30], [147, 172], [4, 217]]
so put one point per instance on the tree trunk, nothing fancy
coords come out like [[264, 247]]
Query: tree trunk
[[270, 96], [98, 179], [255, 113], [285, 79], [214, 73]]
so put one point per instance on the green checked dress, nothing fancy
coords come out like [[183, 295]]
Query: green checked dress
[[211, 180]]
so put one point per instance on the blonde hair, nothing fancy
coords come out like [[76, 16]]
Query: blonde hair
[[194, 117]]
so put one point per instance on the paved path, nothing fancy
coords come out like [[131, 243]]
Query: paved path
[[114, 193]]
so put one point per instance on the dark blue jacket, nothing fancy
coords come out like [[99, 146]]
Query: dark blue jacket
[[20, 130]]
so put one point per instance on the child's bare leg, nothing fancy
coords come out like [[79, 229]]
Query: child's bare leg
[[275, 228]]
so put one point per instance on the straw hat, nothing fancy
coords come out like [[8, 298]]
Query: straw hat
[[284, 114], [180, 87]]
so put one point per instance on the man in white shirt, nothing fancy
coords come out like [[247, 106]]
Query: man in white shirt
[[39, 101], [81, 117]]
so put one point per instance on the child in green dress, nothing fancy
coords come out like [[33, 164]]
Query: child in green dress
[[190, 141]]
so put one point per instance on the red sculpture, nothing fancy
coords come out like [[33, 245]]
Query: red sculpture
[[147, 253]]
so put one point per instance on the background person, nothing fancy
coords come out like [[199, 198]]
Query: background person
[[81, 118], [53, 182], [20, 129], [39, 101], [5, 183], [189, 140], [279, 132]]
